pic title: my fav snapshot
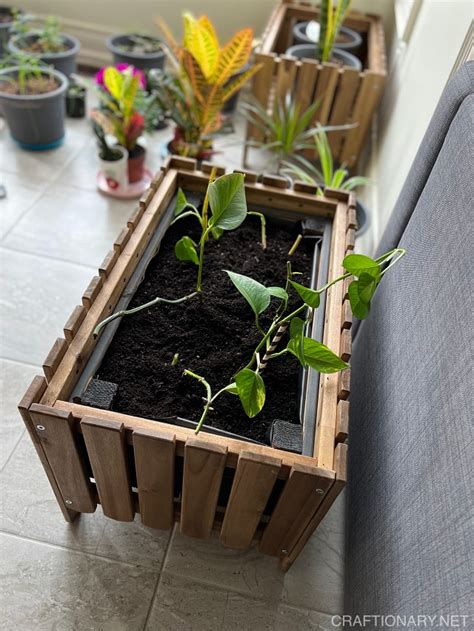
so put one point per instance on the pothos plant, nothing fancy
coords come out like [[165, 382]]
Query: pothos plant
[[248, 383]]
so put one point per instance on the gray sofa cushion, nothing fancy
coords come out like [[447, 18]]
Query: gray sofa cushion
[[410, 503]]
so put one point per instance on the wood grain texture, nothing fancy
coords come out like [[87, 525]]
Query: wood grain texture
[[344, 384], [342, 421], [123, 236], [346, 345], [105, 268], [54, 357], [154, 464], [92, 291], [254, 479], [54, 430], [203, 468], [74, 322], [106, 448], [303, 492], [346, 315]]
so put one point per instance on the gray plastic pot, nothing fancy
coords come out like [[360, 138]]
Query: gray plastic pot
[[348, 39], [64, 62], [139, 60], [36, 122], [5, 27], [308, 51]]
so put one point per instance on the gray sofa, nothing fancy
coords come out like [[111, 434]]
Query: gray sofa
[[409, 547]]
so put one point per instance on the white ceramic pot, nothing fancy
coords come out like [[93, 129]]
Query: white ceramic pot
[[116, 171]]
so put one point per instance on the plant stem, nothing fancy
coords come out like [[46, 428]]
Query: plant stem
[[205, 231], [126, 312], [295, 245], [263, 227]]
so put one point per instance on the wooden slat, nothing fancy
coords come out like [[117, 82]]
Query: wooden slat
[[305, 187], [154, 464], [340, 464], [367, 100], [325, 88], [377, 61], [346, 90], [273, 28], [346, 345], [146, 198], [250, 176], [32, 395], [306, 83], [275, 181], [328, 391], [135, 217], [298, 500], [206, 167], [185, 164], [74, 322], [122, 239], [352, 219], [105, 268], [203, 468], [105, 442], [92, 291], [346, 315], [350, 240], [54, 357], [342, 422], [344, 384], [84, 342], [55, 432], [253, 482], [157, 179], [285, 77], [337, 193], [261, 84]]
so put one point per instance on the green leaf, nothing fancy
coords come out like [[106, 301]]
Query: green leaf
[[278, 292], [366, 286], [181, 202], [308, 296], [227, 201], [185, 250], [217, 233], [256, 294], [359, 308], [295, 345], [251, 391], [232, 388], [358, 263], [321, 358]]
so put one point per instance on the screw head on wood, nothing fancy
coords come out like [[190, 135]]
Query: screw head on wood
[[284, 551], [69, 502], [320, 491], [41, 428]]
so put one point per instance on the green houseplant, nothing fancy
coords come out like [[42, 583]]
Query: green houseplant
[[47, 43], [137, 49]]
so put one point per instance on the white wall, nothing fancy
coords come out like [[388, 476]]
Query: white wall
[[415, 83]]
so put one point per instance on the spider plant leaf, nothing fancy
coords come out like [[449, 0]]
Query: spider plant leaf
[[338, 178], [355, 182]]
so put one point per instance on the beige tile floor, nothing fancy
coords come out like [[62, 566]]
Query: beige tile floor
[[99, 574]]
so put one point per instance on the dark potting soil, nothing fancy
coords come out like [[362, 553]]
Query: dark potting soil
[[214, 337], [33, 85]]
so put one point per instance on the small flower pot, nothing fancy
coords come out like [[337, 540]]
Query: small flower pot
[[6, 20], [64, 61], [308, 51], [116, 171], [347, 39], [118, 44], [199, 151], [36, 121], [136, 164], [76, 102]]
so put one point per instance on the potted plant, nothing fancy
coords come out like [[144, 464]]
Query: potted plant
[[33, 103], [325, 47], [76, 99], [202, 79], [47, 43], [286, 131], [307, 32], [7, 17], [113, 161], [120, 116], [185, 233], [328, 176], [142, 51]]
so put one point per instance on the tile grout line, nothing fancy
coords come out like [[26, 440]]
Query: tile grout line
[[21, 362], [47, 257], [159, 580], [7, 461], [57, 546], [27, 210]]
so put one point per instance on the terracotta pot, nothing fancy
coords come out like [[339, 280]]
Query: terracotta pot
[[136, 164]]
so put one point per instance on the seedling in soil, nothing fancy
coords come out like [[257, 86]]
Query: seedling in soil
[[248, 383]]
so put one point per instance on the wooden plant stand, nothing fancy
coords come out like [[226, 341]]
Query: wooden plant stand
[[345, 95], [164, 472]]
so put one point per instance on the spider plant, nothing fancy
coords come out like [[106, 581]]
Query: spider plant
[[327, 175], [287, 130], [332, 14]]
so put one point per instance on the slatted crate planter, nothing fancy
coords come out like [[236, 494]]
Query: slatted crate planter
[[345, 94], [164, 472]]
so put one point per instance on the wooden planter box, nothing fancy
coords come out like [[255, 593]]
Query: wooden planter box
[[164, 472], [346, 95]]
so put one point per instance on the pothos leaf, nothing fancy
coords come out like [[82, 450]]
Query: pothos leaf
[[251, 389], [295, 345], [359, 308], [256, 294], [185, 250], [227, 201], [366, 286], [358, 263], [278, 292], [217, 233], [308, 296], [181, 202], [321, 358]]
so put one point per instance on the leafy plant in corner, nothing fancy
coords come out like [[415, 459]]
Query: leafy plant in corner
[[248, 383], [332, 15]]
